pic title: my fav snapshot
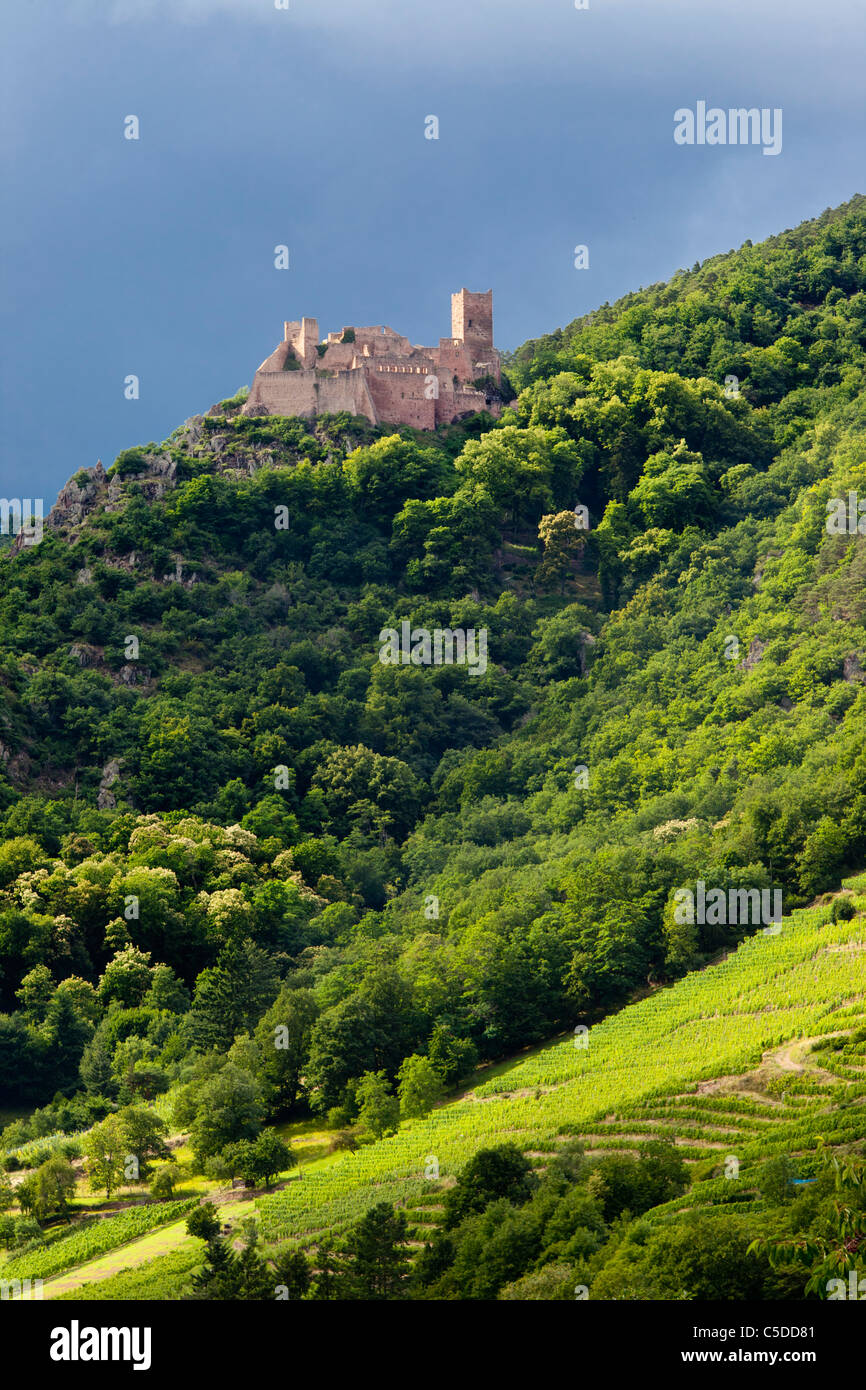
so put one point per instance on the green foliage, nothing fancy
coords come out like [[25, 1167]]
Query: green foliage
[[165, 1180], [258, 1161], [491, 1174], [105, 1149], [410, 869], [128, 463], [45, 1194], [775, 1179], [226, 1275], [638, 1064], [420, 1086], [203, 1222], [376, 1265], [292, 1275], [378, 1110], [220, 1109]]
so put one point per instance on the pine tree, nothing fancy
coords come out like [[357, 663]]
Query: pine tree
[[377, 1266]]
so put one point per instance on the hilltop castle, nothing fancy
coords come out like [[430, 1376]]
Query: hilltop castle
[[378, 373]]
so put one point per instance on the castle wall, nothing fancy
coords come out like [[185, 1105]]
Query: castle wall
[[467, 401], [455, 360], [275, 361], [381, 345], [453, 403], [399, 397], [348, 391], [339, 357], [490, 365], [308, 393]]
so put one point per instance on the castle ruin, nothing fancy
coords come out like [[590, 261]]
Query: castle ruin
[[377, 373]]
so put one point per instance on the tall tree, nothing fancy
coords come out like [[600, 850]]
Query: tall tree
[[143, 1132], [377, 1266], [283, 1039], [231, 996], [105, 1152], [420, 1086], [378, 1109]]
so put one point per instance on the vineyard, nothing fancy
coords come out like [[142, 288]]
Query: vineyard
[[86, 1241], [712, 1061], [36, 1151]]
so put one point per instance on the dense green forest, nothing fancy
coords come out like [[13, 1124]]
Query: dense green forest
[[221, 814]]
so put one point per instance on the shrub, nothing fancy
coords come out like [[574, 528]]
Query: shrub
[[128, 463], [843, 910]]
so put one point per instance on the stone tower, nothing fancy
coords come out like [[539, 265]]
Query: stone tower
[[472, 320]]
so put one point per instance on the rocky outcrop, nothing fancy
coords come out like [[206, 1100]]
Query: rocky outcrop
[[81, 495], [176, 575], [157, 477], [92, 488], [587, 641], [133, 674], [110, 773], [754, 654], [86, 654]]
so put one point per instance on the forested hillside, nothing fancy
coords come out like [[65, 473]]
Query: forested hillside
[[222, 814]]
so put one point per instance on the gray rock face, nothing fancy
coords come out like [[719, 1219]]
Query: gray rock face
[[133, 674], [78, 497], [86, 654], [91, 488], [110, 773], [754, 654]]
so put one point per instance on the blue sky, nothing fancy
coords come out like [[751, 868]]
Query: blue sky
[[305, 127]]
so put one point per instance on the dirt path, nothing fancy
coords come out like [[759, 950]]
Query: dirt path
[[794, 1055], [137, 1252], [126, 1257]]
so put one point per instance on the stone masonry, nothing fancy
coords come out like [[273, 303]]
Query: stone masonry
[[378, 373]]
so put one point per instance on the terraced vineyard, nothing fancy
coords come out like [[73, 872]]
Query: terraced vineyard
[[726, 1061]]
